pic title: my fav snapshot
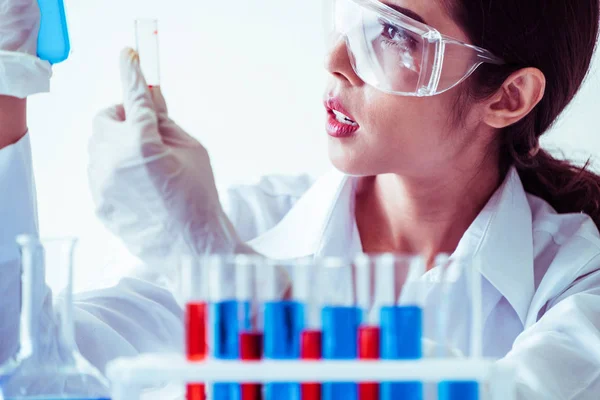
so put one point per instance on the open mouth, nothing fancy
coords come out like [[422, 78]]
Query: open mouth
[[344, 119]]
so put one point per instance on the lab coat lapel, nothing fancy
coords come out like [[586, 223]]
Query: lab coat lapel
[[501, 239], [302, 232]]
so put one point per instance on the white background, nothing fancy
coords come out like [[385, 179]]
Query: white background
[[245, 77]]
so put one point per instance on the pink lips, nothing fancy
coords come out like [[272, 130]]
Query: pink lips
[[334, 127]]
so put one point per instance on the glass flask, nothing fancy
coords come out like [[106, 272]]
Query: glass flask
[[50, 366]]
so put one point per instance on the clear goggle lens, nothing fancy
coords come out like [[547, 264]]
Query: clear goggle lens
[[394, 55]]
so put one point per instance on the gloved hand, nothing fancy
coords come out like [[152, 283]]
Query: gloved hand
[[22, 73], [152, 183]]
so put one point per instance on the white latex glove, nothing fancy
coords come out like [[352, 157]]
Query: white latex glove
[[152, 183], [22, 73]]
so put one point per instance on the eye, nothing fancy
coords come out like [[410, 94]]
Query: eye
[[398, 36], [390, 31]]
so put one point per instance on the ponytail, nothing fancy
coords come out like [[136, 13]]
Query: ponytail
[[566, 187]]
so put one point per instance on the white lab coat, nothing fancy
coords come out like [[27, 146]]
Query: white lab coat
[[541, 274]]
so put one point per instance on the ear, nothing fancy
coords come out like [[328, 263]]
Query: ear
[[519, 94]]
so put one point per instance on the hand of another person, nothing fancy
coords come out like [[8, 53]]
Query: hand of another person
[[22, 73]]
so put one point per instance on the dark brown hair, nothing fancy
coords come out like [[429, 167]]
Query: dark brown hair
[[558, 37]]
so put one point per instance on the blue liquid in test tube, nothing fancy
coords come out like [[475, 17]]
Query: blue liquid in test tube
[[340, 330], [283, 325], [226, 330], [466, 390], [401, 325], [401, 332]]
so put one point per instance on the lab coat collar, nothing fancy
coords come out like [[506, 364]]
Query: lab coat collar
[[322, 223], [310, 224], [501, 241]]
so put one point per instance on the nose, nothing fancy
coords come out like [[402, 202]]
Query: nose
[[338, 63]]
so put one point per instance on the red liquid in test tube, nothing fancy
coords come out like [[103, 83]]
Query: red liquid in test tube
[[368, 349], [251, 350], [196, 316], [196, 391], [310, 349]]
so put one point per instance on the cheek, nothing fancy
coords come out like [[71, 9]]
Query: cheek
[[416, 128], [398, 134]]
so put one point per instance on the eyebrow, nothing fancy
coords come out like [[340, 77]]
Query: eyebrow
[[406, 11]]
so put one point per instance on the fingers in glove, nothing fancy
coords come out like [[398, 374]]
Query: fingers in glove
[[137, 99], [160, 104], [115, 113]]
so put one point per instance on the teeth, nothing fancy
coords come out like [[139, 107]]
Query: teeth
[[343, 119]]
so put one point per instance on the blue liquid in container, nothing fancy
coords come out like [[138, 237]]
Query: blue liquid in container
[[284, 322], [340, 331], [401, 333], [53, 39], [458, 390], [229, 318]]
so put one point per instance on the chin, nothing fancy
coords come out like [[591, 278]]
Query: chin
[[349, 164]]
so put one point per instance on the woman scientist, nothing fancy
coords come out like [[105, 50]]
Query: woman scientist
[[434, 113]]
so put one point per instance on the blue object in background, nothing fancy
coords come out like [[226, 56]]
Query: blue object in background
[[53, 45], [458, 390], [401, 334], [229, 318], [284, 322], [340, 331]]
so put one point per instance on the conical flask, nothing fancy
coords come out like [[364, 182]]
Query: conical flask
[[50, 365]]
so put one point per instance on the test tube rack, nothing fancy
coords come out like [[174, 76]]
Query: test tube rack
[[129, 375]]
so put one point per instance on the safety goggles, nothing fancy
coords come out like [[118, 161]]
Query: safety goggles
[[397, 54]]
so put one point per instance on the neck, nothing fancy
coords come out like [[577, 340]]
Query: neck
[[424, 215]]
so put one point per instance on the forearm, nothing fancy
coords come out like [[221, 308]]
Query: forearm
[[13, 120]]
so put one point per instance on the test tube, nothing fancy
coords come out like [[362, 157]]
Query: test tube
[[226, 314], [401, 324], [283, 324], [460, 390], [146, 35], [305, 278], [340, 318], [251, 336], [369, 332], [195, 287]]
